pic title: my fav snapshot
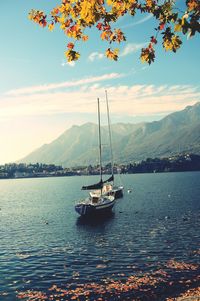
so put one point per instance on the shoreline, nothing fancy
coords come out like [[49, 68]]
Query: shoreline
[[89, 175]]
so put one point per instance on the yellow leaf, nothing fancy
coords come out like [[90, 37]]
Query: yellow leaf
[[113, 55], [61, 19], [51, 26], [62, 26], [178, 27], [103, 35], [72, 55], [87, 11], [109, 2]]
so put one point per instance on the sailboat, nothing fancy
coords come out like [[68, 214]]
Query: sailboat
[[96, 204], [109, 188]]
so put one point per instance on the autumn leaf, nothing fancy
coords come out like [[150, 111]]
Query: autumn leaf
[[72, 55], [43, 23], [161, 26], [75, 16], [99, 26], [106, 35], [84, 38], [192, 4], [173, 43], [55, 11], [74, 32], [149, 3], [153, 40], [113, 55], [87, 11], [178, 27], [51, 26], [70, 45], [148, 54]]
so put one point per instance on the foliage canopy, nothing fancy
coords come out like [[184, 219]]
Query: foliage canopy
[[75, 16]]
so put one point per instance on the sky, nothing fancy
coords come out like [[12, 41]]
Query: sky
[[41, 95]]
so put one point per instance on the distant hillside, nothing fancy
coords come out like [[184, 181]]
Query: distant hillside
[[177, 132]]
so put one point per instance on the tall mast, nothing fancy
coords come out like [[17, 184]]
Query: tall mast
[[99, 123], [110, 136]]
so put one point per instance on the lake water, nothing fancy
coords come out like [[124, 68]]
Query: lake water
[[44, 242]]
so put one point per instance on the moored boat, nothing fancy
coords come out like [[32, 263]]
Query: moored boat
[[97, 204], [109, 187], [109, 190]]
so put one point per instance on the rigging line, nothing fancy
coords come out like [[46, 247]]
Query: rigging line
[[110, 136], [100, 152]]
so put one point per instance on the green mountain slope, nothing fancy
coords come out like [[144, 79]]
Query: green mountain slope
[[177, 132]]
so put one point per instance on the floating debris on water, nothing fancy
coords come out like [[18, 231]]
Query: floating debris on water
[[140, 287], [23, 255]]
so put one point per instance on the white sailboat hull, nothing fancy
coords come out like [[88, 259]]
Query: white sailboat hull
[[101, 206]]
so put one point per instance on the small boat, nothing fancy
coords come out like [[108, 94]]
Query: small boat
[[109, 188], [96, 204], [93, 206]]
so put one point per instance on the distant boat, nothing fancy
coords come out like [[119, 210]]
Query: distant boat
[[109, 188], [96, 204]]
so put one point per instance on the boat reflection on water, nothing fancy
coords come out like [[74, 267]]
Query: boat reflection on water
[[96, 220]]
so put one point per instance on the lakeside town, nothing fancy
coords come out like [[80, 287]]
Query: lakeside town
[[177, 163]]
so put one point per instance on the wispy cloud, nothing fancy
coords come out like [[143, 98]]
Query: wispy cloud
[[124, 100], [143, 20], [49, 112], [131, 48], [95, 56], [70, 64], [68, 84]]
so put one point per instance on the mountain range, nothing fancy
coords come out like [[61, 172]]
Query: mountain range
[[177, 132]]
